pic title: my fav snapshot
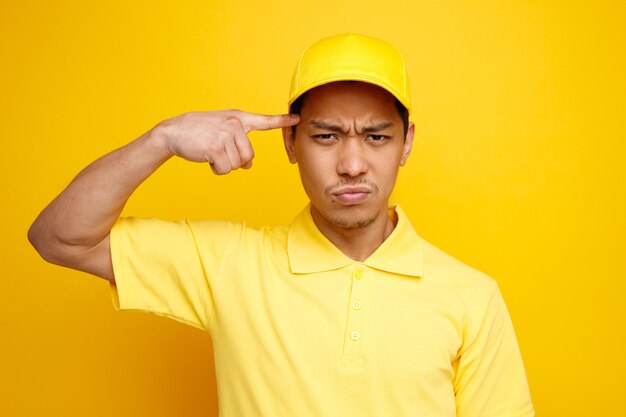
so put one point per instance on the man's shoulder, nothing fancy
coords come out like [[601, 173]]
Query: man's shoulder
[[442, 267], [200, 228], [239, 231], [240, 225]]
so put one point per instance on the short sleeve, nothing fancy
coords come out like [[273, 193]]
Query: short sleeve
[[490, 379], [158, 268]]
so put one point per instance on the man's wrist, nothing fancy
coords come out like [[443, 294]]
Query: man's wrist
[[157, 139]]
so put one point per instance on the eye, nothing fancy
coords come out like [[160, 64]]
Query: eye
[[325, 137], [377, 139]]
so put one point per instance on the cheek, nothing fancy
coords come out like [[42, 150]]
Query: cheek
[[387, 158], [387, 171], [314, 160], [387, 174], [311, 174]]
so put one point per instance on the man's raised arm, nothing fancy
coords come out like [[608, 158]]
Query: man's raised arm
[[73, 230]]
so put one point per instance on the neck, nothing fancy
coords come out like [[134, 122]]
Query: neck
[[356, 243]]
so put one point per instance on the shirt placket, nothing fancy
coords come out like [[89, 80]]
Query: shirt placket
[[356, 332]]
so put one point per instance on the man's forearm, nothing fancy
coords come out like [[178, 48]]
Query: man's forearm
[[83, 214]]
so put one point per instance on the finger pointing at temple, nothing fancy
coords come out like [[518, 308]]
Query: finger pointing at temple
[[255, 121]]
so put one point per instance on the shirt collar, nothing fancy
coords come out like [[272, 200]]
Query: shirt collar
[[310, 251]]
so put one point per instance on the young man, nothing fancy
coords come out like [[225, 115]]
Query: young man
[[347, 311]]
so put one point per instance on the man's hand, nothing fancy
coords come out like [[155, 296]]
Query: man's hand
[[218, 137]]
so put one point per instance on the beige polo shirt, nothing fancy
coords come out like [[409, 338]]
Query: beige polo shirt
[[299, 329]]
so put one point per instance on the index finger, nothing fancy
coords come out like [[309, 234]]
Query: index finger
[[254, 121]]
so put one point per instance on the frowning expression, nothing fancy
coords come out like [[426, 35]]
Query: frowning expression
[[349, 145]]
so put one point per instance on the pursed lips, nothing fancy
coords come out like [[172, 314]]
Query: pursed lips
[[352, 195]]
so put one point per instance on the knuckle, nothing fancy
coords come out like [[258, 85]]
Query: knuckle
[[219, 169], [232, 122], [247, 155], [232, 113], [223, 135], [236, 125]]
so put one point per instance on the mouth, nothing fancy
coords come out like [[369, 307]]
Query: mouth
[[352, 195]]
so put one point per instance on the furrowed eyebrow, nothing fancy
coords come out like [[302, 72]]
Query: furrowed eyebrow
[[377, 127], [320, 124], [323, 125]]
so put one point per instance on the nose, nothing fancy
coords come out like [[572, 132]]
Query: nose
[[352, 161]]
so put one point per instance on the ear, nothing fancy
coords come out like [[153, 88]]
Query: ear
[[289, 139], [408, 143]]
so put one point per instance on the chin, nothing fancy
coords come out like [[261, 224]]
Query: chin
[[349, 217], [352, 224], [352, 221]]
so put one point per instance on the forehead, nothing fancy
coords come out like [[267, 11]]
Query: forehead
[[349, 99]]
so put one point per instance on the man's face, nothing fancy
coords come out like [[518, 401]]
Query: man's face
[[349, 145]]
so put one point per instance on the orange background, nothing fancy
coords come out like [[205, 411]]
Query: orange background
[[518, 170]]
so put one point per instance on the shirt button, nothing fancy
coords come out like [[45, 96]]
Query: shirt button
[[356, 305], [358, 274], [355, 336]]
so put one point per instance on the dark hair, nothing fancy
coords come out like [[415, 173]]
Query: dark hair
[[296, 108]]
